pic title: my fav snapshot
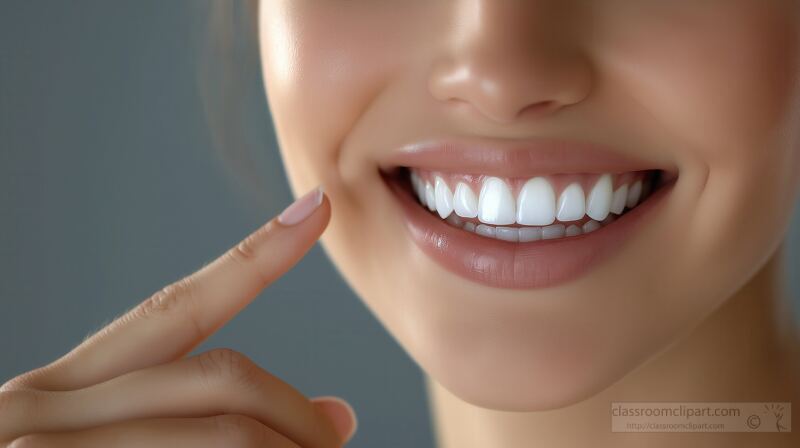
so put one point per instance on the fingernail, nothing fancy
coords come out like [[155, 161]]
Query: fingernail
[[340, 413], [301, 208]]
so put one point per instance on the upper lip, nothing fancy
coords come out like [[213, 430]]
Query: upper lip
[[516, 158]]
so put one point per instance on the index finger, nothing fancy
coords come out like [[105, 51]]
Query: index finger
[[177, 318]]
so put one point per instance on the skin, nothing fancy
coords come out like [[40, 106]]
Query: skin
[[710, 88], [703, 320], [129, 385]]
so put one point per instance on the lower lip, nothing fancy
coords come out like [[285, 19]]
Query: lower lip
[[503, 264]]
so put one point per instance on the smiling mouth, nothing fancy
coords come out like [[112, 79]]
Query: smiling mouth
[[522, 217]]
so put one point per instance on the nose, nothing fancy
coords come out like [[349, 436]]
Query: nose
[[510, 59]]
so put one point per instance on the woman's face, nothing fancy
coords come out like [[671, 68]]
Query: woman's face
[[531, 120]]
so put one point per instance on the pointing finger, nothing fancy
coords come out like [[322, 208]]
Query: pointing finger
[[180, 316]]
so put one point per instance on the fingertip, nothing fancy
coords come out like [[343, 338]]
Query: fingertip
[[340, 413], [302, 208]]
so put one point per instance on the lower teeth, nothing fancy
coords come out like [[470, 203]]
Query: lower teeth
[[525, 234]]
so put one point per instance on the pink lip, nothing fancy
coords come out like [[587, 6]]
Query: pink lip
[[511, 158], [503, 264]]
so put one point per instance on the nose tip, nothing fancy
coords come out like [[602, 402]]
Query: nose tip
[[506, 89]]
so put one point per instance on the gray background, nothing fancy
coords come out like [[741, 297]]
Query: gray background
[[110, 188]]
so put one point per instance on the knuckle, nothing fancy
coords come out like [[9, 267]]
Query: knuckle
[[240, 431], [33, 379], [168, 298], [56, 376], [225, 365], [179, 297], [16, 383], [245, 251]]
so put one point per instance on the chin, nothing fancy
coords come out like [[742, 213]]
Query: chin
[[510, 367]]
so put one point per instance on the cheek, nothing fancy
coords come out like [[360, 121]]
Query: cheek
[[326, 65], [323, 67], [726, 90], [722, 84]]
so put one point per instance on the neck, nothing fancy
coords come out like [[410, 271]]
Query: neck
[[745, 351]]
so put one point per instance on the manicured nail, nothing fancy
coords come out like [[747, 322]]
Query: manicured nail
[[301, 208]]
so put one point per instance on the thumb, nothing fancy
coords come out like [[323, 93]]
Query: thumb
[[340, 413]]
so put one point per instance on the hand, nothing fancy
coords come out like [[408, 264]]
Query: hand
[[129, 385]]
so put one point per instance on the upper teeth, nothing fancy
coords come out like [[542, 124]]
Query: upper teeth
[[571, 203], [465, 202], [444, 198], [535, 205], [496, 203]]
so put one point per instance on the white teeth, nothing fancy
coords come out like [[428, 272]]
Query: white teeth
[[540, 214], [633, 194], [464, 202], [454, 220], [573, 230], [508, 234], [496, 204], [618, 200], [553, 231], [419, 187], [415, 183], [530, 234], [527, 234], [590, 226], [443, 198], [571, 203], [483, 229], [430, 197], [536, 203], [598, 203]]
